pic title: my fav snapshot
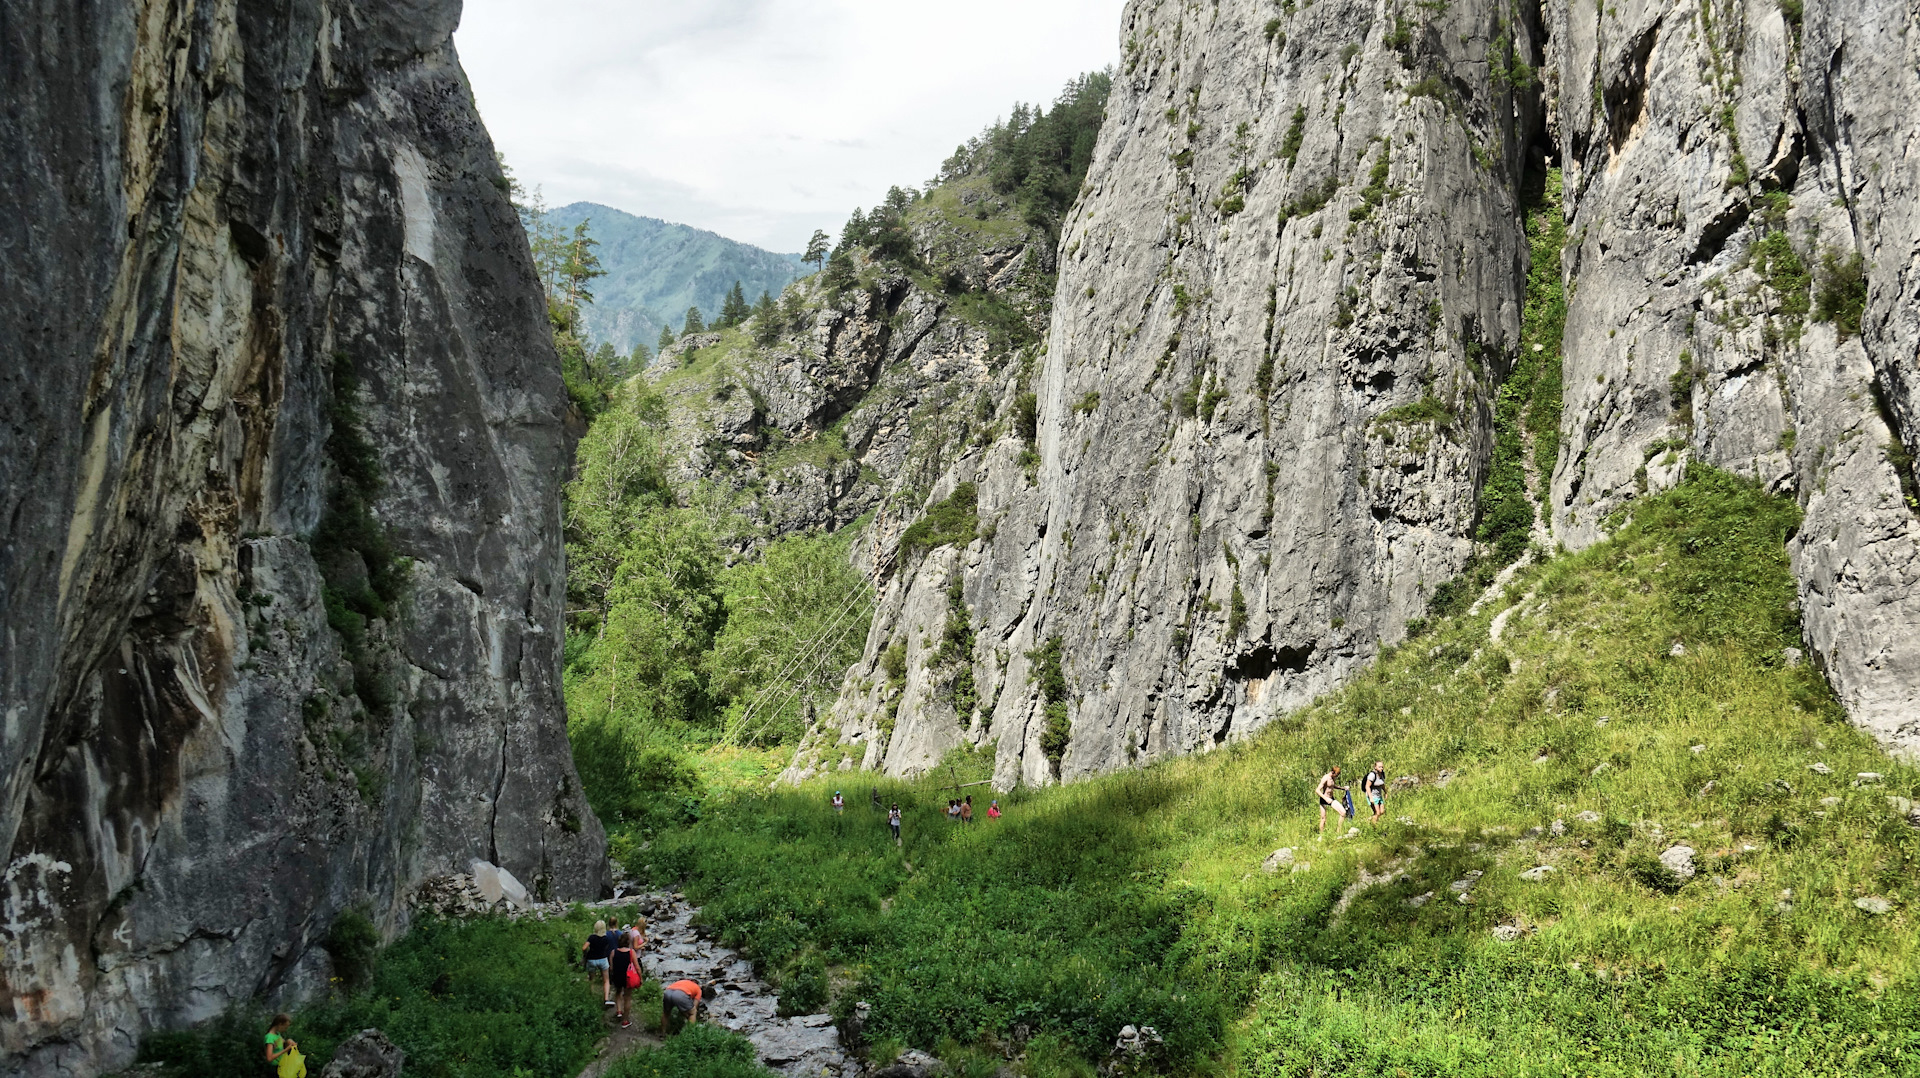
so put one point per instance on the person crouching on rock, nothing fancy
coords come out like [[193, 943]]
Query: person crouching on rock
[[626, 978], [682, 997], [597, 949]]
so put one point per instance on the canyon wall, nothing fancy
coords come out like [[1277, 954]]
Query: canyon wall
[[282, 444], [1290, 294]]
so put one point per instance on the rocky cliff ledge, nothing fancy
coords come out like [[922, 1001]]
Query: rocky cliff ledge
[[283, 438], [1296, 283]]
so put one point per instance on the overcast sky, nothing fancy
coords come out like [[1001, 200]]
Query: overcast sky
[[760, 119]]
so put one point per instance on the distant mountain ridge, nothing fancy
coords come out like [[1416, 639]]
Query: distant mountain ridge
[[657, 269]]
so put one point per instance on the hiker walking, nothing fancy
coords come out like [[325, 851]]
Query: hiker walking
[[993, 809], [839, 803], [953, 811], [966, 810], [1324, 791], [893, 822], [1374, 786], [283, 1054], [597, 949], [682, 997], [626, 977]]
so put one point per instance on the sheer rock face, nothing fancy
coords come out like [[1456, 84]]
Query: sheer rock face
[[1690, 135], [211, 208], [1293, 351], [1334, 490]]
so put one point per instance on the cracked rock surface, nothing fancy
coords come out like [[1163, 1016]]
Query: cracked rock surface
[[235, 234]]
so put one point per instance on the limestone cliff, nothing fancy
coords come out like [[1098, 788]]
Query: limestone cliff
[[1289, 295], [283, 435]]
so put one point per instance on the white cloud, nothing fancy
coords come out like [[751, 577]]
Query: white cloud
[[760, 119]]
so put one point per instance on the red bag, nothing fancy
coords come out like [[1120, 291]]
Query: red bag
[[633, 973]]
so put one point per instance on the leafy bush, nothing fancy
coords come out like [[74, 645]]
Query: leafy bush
[[352, 943], [954, 519], [489, 998], [1842, 292]]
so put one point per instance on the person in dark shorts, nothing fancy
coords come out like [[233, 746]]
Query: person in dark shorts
[[680, 997], [1375, 787], [966, 810], [597, 950], [893, 822], [839, 803], [625, 970], [1329, 783]]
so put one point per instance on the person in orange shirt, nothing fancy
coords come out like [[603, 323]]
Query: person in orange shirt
[[681, 996]]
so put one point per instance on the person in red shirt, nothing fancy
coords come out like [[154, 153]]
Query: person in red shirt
[[681, 996]]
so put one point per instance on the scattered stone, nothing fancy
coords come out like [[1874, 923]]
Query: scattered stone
[[1677, 650], [1418, 901], [1901, 805], [1588, 816], [1463, 885], [1698, 749], [1507, 933], [1532, 833], [1602, 721], [1443, 778], [1679, 861], [1867, 778], [1302, 866], [1137, 1042], [1406, 782], [1794, 657], [1874, 904], [1785, 905], [1543, 757], [1559, 828], [1278, 859], [453, 895], [911, 1064], [1783, 786], [1405, 821], [1596, 772], [1708, 788], [366, 1054], [1352, 832], [1829, 801], [1820, 769], [1538, 873]]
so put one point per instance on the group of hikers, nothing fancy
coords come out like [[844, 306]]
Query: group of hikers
[[1373, 787], [959, 810], [615, 953]]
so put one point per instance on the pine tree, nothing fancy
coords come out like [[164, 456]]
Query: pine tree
[[766, 320], [640, 358], [793, 311], [817, 250], [694, 323], [578, 266], [734, 309], [666, 339]]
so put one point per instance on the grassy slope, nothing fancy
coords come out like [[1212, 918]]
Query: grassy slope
[[1140, 898]]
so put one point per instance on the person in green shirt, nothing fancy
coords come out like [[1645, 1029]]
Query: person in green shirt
[[277, 1043]]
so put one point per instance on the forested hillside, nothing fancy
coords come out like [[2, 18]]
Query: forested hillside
[[655, 270], [737, 507]]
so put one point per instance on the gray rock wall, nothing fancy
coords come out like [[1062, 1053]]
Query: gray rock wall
[[1294, 349], [220, 217], [1692, 134], [1264, 406]]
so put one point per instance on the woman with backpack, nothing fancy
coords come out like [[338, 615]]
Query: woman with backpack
[[626, 976]]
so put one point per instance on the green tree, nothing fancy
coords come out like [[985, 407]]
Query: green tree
[[793, 311], [817, 250], [734, 309], [578, 266], [796, 619], [766, 320], [639, 359], [694, 323], [666, 340]]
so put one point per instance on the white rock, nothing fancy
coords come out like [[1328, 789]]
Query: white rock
[[1698, 749], [1418, 901], [1678, 649], [1679, 860], [1588, 816], [1901, 805], [497, 883], [1820, 769], [1278, 859], [1874, 904], [1868, 776], [1538, 873], [1507, 933]]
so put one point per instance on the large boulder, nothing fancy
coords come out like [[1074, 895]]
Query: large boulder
[[366, 1054]]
